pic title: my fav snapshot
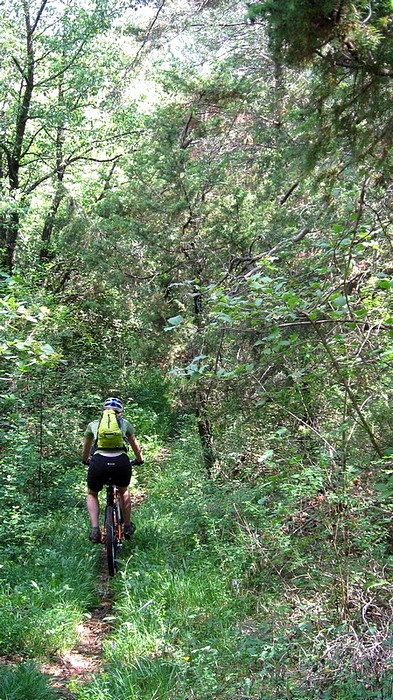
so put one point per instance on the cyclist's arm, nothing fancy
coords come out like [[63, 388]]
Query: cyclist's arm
[[135, 447], [86, 448]]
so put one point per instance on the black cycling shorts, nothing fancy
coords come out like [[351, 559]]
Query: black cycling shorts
[[101, 469]]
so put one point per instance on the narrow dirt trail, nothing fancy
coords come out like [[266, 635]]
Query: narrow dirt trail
[[85, 659]]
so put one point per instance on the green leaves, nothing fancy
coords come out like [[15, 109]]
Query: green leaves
[[339, 301], [22, 341], [174, 323], [385, 284], [24, 680]]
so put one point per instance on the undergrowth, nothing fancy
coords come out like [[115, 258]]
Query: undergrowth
[[269, 588], [47, 583], [225, 595], [24, 682], [46, 586]]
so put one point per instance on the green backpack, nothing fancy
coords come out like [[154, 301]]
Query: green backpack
[[109, 434]]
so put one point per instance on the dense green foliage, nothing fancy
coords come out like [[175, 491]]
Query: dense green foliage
[[24, 682], [222, 595], [357, 35], [195, 214]]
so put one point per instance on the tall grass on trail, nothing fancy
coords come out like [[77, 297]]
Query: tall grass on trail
[[178, 600], [46, 585], [24, 682], [221, 597]]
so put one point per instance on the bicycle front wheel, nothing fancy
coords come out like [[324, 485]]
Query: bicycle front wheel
[[110, 540]]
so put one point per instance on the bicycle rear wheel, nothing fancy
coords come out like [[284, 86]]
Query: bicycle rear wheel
[[110, 540]]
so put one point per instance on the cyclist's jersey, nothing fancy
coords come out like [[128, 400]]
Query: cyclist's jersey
[[127, 430]]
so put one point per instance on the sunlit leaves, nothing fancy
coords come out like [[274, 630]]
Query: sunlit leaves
[[23, 320]]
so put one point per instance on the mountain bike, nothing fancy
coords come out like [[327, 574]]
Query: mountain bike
[[112, 529]]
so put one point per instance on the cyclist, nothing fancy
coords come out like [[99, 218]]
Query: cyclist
[[115, 463]]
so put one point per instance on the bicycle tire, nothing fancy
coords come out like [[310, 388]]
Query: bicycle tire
[[110, 540], [118, 520]]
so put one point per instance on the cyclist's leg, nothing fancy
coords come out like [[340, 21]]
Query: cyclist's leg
[[93, 507], [123, 478], [125, 504], [95, 482]]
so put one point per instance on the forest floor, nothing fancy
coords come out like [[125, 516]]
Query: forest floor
[[190, 616], [79, 664], [83, 661]]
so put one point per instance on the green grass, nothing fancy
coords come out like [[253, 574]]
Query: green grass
[[227, 591], [146, 678], [178, 602], [47, 587], [24, 682], [216, 600]]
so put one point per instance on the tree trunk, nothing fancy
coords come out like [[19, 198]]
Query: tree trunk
[[59, 188], [9, 229], [205, 434]]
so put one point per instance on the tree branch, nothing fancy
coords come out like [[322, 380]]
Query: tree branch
[[38, 17], [19, 67], [107, 180], [288, 194], [50, 174], [347, 387], [145, 39], [293, 415]]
